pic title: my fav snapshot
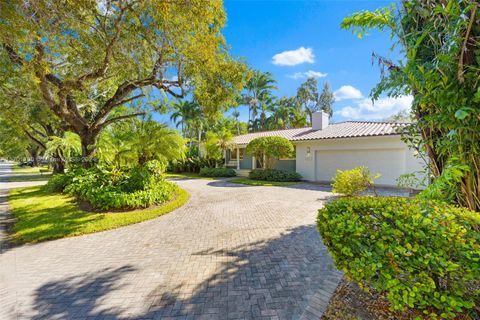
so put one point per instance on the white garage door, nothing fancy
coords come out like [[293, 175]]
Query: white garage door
[[390, 163]]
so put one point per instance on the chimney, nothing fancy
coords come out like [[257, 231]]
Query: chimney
[[319, 120]]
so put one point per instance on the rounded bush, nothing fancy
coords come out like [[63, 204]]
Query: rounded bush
[[217, 172], [274, 175], [423, 255], [58, 182]]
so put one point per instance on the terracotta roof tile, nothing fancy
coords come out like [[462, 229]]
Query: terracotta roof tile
[[348, 129]]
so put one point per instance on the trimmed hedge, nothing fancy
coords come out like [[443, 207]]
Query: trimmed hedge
[[423, 255], [274, 175], [217, 172]]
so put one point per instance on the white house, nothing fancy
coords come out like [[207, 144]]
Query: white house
[[324, 148]]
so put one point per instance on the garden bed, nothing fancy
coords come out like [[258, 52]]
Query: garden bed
[[42, 215]]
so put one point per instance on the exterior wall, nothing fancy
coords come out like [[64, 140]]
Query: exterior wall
[[287, 165], [246, 163], [389, 155]]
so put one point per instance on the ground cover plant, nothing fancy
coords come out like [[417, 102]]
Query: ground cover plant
[[106, 189]]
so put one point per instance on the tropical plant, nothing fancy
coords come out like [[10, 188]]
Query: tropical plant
[[139, 141], [307, 96], [89, 58], [269, 149], [274, 175], [65, 148], [258, 89], [441, 71]]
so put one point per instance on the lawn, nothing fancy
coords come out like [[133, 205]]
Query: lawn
[[41, 215], [28, 170], [251, 182], [187, 175]]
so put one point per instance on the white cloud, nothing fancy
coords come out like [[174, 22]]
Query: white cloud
[[347, 93], [308, 74], [383, 108], [294, 57]]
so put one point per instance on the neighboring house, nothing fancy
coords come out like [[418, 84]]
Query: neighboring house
[[324, 148]]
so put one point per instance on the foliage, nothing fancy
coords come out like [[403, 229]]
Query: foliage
[[274, 175], [87, 59], [441, 71], [258, 98], [58, 182], [217, 143], [191, 163], [326, 99], [353, 182], [307, 95], [217, 172], [269, 149], [139, 141], [41, 215], [251, 182], [423, 254], [104, 189], [64, 147]]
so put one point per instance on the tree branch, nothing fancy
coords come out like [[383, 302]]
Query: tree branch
[[35, 140], [464, 46], [119, 118]]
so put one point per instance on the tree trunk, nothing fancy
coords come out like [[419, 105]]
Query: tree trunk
[[34, 156], [58, 166], [89, 148]]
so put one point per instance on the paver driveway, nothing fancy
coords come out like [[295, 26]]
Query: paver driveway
[[231, 252]]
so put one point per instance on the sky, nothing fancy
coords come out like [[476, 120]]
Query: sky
[[297, 39]]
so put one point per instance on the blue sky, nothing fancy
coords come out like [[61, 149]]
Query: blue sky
[[305, 38]]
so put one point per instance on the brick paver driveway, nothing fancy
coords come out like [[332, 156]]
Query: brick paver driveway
[[232, 252]]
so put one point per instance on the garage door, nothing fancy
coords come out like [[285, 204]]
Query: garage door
[[390, 163]]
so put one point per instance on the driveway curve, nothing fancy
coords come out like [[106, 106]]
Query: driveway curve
[[231, 252]]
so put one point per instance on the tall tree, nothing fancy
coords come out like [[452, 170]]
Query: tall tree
[[326, 99], [258, 89], [441, 70], [307, 95], [89, 57]]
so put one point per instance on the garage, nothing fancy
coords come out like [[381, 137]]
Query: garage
[[390, 163]]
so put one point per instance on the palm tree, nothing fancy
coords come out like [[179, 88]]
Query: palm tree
[[188, 115], [258, 88], [236, 115], [142, 141]]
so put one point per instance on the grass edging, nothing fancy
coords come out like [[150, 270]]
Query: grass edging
[[41, 215], [251, 182]]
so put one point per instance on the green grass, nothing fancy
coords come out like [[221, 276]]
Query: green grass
[[21, 174], [31, 177], [41, 215], [187, 175], [251, 182], [28, 170]]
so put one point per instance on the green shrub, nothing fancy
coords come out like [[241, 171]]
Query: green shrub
[[353, 182], [217, 172], [423, 255], [58, 182], [268, 150], [106, 189], [274, 175]]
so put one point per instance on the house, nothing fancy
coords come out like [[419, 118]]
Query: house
[[324, 148]]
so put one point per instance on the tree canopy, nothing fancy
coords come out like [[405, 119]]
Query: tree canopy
[[442, 70], [85, 58]]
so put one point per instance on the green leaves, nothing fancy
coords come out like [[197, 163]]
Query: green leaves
[[422, 254]]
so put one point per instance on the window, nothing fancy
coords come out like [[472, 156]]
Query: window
[[233, 153]]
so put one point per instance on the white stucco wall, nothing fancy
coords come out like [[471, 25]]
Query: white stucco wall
[[388, 156]]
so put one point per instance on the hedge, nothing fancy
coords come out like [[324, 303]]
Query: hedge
[[217, 172], [423, 255], [274, 175]]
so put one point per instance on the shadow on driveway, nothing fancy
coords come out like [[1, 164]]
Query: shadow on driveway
[[280, 278]]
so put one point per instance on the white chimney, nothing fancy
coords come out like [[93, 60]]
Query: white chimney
[[319, 120]]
